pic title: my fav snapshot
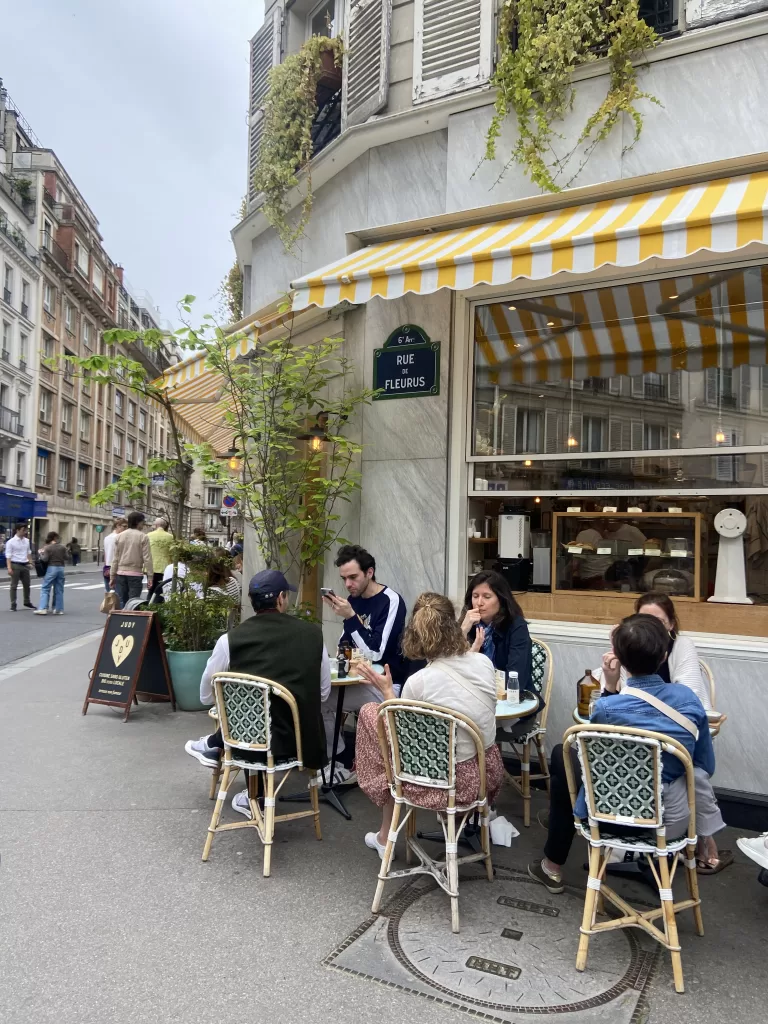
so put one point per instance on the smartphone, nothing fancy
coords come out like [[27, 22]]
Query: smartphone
[[327, 592]]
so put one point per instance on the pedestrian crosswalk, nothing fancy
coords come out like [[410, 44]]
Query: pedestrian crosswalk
[[69, 586]]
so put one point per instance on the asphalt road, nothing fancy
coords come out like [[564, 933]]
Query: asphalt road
[[22, 633]]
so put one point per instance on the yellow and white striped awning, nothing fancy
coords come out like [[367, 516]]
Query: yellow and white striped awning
[[689, 322], [197, 391], [674, 223]]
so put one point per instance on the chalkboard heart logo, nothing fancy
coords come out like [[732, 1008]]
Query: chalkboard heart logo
[[121, 648]]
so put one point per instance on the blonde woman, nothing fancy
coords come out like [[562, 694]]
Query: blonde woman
[[456, 678]]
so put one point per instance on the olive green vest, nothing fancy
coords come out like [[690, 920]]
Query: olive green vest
[[289, 651]]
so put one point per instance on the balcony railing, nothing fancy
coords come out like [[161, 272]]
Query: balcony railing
[[18, 239], [51, 246], [25, 310], [9, 421], [327, 123], [7, 295], [5, 355]]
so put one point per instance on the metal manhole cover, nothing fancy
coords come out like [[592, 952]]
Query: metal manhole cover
[[515, 953]]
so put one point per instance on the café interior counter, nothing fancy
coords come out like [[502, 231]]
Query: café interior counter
[[608, 608]]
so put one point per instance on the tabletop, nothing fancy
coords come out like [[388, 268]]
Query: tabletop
[[347, 680], [508, 712]]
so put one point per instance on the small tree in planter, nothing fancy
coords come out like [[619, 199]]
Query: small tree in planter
[[192, 618], [283, 398]]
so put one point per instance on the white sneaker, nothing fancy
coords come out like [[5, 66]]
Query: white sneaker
[[372, 842], [208, 756], [57, 613], [241, 805], [756, 849], [341, 777], [41, 611]]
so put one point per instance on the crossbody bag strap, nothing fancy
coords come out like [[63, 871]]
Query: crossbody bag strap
[[682, 720]]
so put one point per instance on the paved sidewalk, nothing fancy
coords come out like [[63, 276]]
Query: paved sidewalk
[[110, 917]]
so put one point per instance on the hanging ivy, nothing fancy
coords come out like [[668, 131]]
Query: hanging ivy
[[541, 43], [286, 142]]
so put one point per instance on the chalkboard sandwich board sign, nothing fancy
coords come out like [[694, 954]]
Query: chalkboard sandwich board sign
[[131, 661]]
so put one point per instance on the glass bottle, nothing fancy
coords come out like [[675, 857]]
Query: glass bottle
[[587, 688]]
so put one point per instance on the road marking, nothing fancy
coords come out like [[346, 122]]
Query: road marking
[[23, 664], [88, 586]]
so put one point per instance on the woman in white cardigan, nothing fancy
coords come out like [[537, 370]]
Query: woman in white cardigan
[[682, 664]]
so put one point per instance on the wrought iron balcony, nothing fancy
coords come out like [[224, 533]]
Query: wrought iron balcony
[[9, 421], [52, 247], [12, 232]]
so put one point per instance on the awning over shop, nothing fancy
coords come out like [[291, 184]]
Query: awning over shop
[[17, 505], [677, 323], [197, 390], [718, 216]]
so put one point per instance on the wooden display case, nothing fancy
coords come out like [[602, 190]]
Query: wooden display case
[[623, 554]]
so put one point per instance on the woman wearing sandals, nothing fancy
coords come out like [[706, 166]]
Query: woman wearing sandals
[[455, 678], [54, 554], [681, 666]]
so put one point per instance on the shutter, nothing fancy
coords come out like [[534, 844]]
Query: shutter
[[638, 388], [710, 385], [675, 442], [614, 386], [453, 46], [576, 432], [265, 54], [619, 440], [553, 440], [637, 442], [724, 463], [673, 387], [577, 385], [508, 428], [366, 60], [745, 381]]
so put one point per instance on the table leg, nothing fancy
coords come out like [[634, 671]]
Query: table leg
[[328, 794]]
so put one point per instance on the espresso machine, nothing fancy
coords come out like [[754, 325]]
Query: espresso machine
[[514, 537]]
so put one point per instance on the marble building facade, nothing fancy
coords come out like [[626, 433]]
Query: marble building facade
[[419, 158]]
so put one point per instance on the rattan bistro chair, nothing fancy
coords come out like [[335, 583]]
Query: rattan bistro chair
[[244, 710], [542, 674], [622, 786], [418, 744]]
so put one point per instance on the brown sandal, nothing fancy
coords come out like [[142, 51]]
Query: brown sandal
[[724, 860]]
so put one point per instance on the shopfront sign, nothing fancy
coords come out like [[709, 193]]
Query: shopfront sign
[[408, 366]]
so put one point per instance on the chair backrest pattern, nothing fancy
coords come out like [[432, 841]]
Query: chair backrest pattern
[[709, 679], [247, 710], [624, 777], [538, 665], [425, 742]]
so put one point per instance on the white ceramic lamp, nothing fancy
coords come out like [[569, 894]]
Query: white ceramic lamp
[[730, 581]]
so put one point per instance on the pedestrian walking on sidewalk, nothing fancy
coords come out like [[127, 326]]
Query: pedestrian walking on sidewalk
[[131, 560], [54, 554], [19, 558], [75, 551]]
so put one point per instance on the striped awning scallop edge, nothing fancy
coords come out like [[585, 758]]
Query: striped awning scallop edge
[[719, 216]]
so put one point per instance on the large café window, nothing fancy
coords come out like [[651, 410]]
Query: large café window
[[654, 394]]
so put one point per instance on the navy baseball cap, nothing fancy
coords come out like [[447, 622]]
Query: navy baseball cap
[[269, 583]]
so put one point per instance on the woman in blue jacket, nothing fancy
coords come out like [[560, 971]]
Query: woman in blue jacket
[[493, 623]]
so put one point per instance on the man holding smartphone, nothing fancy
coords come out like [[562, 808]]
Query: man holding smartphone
[[374, 619]]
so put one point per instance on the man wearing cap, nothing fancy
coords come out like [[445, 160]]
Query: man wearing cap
[[285, 649]]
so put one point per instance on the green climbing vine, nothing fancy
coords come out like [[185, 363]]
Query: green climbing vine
[[286, 143], [541, 43]]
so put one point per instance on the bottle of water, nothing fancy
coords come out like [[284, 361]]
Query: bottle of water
[[513, 688]]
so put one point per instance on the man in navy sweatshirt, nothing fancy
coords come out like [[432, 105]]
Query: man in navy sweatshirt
[[374, 619]]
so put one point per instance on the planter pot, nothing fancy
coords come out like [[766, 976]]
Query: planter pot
[[330, 76], [186, 668]]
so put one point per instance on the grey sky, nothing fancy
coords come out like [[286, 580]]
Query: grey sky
[[144, 102]]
